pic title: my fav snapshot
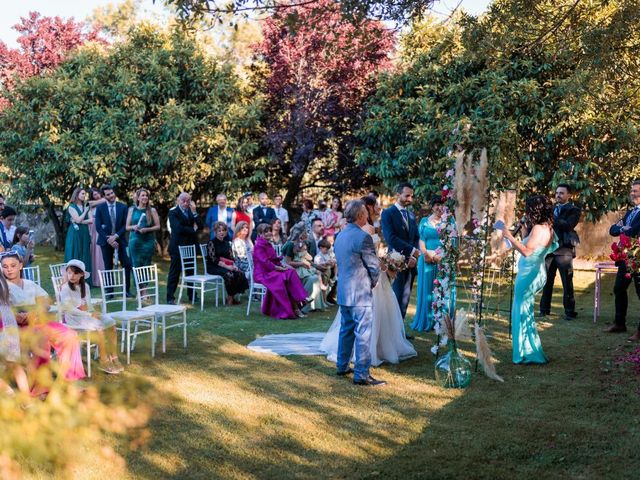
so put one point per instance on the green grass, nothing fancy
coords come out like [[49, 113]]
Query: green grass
[[223, 411]]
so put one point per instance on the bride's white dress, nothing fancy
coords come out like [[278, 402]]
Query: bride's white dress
[[388, 339]]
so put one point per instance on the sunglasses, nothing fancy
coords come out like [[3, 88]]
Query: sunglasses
[[9, 254]]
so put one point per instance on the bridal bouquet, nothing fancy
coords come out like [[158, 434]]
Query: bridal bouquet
[[392, 263], [627, 250]]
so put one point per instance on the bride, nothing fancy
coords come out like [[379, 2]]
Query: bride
[[388, 340]]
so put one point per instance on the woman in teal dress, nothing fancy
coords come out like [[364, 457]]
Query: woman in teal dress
[[532, 276], [428, 267], [78, 243], [142, 222]]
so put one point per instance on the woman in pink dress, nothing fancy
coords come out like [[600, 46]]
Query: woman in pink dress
[[97, 263], [285, 291], [30, 303]]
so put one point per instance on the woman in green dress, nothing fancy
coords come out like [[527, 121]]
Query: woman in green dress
[[78, 243], [532, 276], [142, 222]]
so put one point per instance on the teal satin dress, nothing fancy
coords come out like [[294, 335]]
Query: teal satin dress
[[78, 243], [423, 320], [141, 245], [532, 276]]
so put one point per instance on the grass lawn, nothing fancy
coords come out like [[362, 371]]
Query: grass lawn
[[223, 411]]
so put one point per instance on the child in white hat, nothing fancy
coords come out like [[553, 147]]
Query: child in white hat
[[78, 312]]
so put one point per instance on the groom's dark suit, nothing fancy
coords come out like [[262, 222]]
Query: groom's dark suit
[[400, 231]]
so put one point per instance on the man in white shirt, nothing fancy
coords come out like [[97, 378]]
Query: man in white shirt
[[220, 213], [281, 213]]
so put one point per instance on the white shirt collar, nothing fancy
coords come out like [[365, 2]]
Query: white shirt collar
[[400, 207]]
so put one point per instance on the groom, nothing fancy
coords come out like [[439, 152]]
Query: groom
[[359, 269], [400, 231]]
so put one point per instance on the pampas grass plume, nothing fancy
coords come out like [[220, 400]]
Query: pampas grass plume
[[485, 357], [480, 185], [462, 325]]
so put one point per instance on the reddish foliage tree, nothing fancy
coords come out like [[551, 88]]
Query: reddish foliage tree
[[322, 67], [44, 42]]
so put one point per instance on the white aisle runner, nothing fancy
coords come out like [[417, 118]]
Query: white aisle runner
[[289, 344]]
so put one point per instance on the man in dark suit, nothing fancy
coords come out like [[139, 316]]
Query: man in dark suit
[[400, 231], [629, 226], [263, 213], [566, 216], [185, 223], [111, 225]]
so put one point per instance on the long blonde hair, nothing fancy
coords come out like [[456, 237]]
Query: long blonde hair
[[150, 221]]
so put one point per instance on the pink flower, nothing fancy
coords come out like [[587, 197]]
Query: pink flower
[[627, 276], [449, 173]]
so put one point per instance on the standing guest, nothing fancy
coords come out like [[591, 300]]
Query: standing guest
[[111, 225], [276, 233], [294, 253], [185, 223], [97, 263], [629, 226], [285, 292], [262, 213], [23, 244], [323, 212], [531, 277], [30, 303], [566, 216], [308, 214], [7, 217], [334, 220], [78, 313], [78, 243], [242, 213], [430, 241], [142, 221], [281, 213], [250, 204], [242, 246], [12, 230], [219, 213], [220, 262], [401, 234]]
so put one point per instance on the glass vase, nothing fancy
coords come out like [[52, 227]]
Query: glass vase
[[452, 369]]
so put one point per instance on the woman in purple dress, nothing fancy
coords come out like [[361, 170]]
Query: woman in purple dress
[[285, 291]]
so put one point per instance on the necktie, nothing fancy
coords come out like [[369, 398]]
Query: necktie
[[112, 214], [557, 210], [405, 217]]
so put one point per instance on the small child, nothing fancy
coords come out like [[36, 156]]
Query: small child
[[301, 254], [326, 258], [78, 314]]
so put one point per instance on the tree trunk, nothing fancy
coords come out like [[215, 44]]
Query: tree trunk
[[56, 221], [293, 189]]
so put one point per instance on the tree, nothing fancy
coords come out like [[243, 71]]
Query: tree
[[153, 111], [318, 76], [525, 81], [44, 42]]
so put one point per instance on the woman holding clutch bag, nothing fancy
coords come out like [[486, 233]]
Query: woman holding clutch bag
[[220, 262], [142, 222]]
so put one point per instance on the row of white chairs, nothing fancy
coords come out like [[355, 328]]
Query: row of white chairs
[[149, 316]]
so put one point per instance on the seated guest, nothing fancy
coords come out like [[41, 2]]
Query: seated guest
[[285, 292], [30, 303], [276, 233], [7, 217], [23, 244], [296, 254], [10, 346], [629, 226], [220, 262], [308, 214], [326, 259], [78, 313], [242, 246]]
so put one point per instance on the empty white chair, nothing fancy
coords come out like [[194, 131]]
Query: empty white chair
[[114, 291], [146, 279], [32, 273], [199, 283], [85, 335], [57, 269], [255, 288]]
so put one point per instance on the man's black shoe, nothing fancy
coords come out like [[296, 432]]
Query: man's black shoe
[[346, 372], [370, 382]]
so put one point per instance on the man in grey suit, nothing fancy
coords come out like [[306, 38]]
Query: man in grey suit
[[359, 269]]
